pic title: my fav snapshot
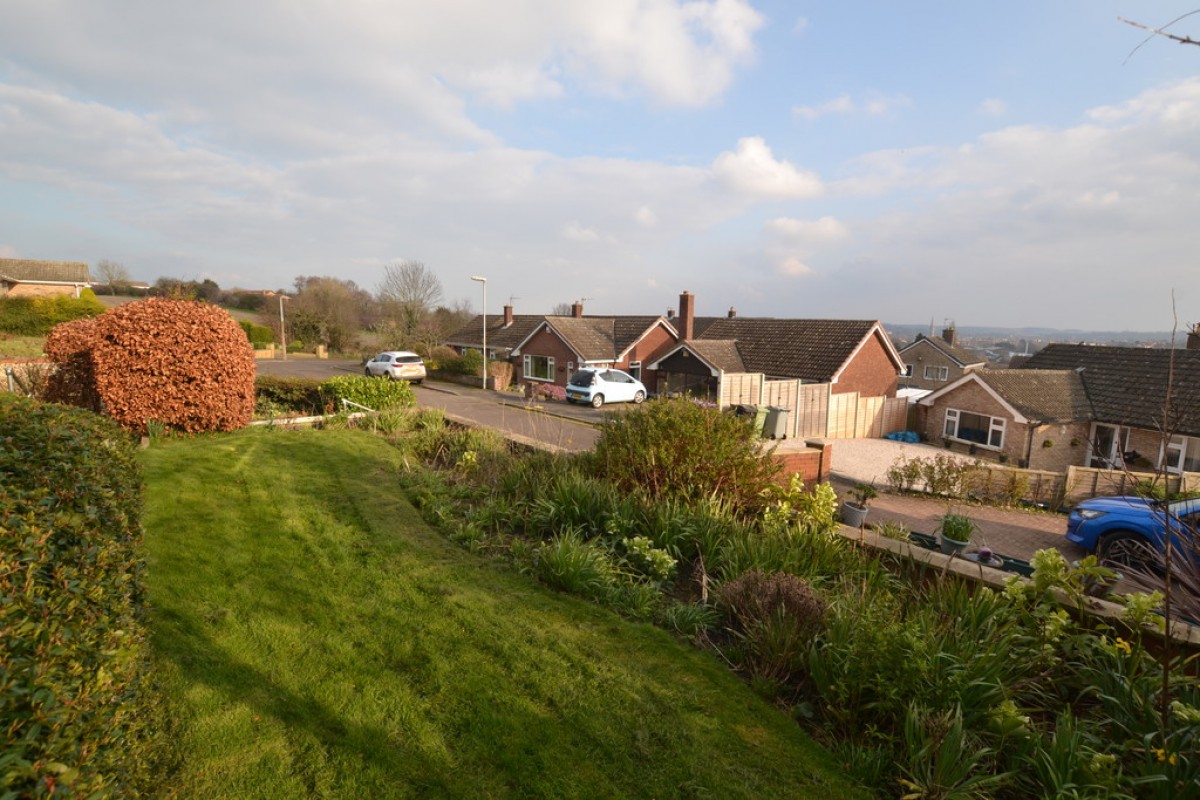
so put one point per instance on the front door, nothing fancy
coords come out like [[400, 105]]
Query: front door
[[1108, 445]]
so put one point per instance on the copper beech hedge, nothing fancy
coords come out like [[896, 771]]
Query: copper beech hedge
[[185, 364]]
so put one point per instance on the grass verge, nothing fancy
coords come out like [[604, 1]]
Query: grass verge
[[21, 346], [314, 638]]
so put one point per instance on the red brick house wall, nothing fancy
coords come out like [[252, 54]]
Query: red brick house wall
[[657, 341], [871, 372], [545, 343]]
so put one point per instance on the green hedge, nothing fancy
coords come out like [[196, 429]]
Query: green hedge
[[301, 395], [73, 713], [35, 316], [259, 335], [374, 393]]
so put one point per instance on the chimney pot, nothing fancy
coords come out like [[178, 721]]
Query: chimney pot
[[732, 312], [577, 309], [1193, 337], [949, 335]]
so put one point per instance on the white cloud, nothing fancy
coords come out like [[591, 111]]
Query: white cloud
[[646, 217], [801, 25], [794, 266], [823, 230], [993, 107], [753, 170], [577, 233], [873, 105]]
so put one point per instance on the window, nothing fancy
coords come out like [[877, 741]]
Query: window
[[1183, 454], [635, 369], [937, 373], [908, 370], [974, 428], [539, 368]]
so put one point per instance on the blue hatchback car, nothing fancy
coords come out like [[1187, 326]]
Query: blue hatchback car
[[1117, 529]]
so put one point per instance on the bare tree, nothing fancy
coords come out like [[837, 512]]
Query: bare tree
[[112, 273], [561, 310], [408, 293]]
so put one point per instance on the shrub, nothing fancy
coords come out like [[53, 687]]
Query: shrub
[[36, 316], [570, 564], [677, 449], [72, 704], [299, 395], [373, 393], [471, 363], [259, 335], [774, 615], [182, 363]]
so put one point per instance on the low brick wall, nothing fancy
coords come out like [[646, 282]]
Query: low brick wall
[[812, 464]]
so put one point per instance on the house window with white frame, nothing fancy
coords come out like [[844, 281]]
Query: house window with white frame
[[980, 429], [935, 373], [1182, 454], [635, 369], [539, 368]]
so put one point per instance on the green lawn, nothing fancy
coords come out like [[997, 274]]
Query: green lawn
[[316, 639], [21, 346]]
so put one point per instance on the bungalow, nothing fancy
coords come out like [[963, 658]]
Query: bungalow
[[931, 362], [1079, 405], [21, 277]]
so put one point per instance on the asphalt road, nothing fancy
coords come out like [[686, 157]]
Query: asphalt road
[[555, 424]]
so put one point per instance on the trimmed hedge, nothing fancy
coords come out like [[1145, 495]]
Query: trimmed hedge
[[301, 395], [36, 316], [259, 335], [183, 363], [374, 393], [74, 719]]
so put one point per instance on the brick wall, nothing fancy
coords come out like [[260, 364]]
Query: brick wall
[[871, 373], [922, 355], [812, 464], [1068, 446], [657, 341], [545, 343]]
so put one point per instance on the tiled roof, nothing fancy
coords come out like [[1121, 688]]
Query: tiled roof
[[1128, 385], [500, 337], [809, 349], [22, 269], [721, 353], [959, 355], [1041, 395], [591, 337]]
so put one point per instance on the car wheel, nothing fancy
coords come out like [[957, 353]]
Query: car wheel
[[639, 397], [1126, 549], [367, 372], [597, 400], [417, 382]]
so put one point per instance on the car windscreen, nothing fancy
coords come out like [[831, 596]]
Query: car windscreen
[[582, 378], [408, 359]]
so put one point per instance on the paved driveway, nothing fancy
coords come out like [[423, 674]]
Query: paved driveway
[[317, 368], [1016, 532]]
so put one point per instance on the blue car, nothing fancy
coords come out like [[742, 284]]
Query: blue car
[[1118, 529]]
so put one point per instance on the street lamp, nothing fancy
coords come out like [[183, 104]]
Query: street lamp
[[282, 329], [483, 282]]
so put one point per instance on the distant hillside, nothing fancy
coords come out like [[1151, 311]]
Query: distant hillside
[[908, 332]]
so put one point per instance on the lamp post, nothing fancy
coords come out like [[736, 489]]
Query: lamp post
[[282, 329], [483, 283]]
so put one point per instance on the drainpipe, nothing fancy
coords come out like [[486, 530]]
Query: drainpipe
[[1029, 445]]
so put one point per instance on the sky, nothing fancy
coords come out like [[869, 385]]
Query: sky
[[1001, 164]]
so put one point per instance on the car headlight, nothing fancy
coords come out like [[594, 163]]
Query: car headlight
[[1090, 513]]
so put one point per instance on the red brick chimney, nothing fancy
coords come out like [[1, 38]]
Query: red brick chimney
[[1193, 338], [732, 312], [577, 309], [508, 316], [687, 315], [949, 335]]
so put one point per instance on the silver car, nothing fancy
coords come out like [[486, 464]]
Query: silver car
[[399, 365]]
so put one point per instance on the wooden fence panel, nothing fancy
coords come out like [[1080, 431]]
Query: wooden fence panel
[[812, 410], [784, 394], [867, 415], [740, 388], [843, 415], [1085, 482]]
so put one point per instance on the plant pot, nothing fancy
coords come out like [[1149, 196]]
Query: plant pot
[[949, 546], [853, 514], [995, 561]]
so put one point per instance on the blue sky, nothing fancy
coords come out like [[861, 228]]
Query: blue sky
[[994, 164]]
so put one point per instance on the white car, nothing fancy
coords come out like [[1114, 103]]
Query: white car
[[600, 386], [399, 365]]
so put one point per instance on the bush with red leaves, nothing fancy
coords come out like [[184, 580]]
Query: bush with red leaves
[[185, 364]]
